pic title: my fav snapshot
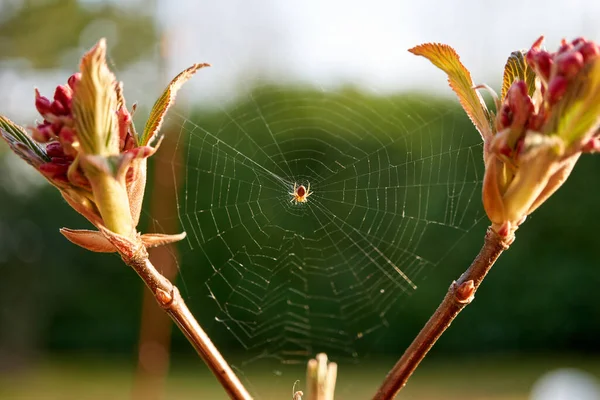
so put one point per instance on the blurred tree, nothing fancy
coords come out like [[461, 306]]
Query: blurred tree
[[58, 292], [43, 31]]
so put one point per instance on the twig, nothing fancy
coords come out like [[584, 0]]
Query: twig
[[459, 294], [168, 297]]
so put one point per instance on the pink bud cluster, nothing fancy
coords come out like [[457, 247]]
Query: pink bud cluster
[[58, 131], [518, 112], [557, 69]]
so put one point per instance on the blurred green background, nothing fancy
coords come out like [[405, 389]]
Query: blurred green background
[[70, 320]]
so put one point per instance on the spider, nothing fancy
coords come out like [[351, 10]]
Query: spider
[[300, 194]]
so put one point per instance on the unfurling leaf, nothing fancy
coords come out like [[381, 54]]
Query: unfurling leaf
[[94, 104], [21, 143], [516, 69], [445, 58], [162, 104], [581, 106]]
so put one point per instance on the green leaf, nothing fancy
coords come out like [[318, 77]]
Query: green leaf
[[95, 103], [516, 68], [162, 104], [580, 106], [445, 58], [21, 143]]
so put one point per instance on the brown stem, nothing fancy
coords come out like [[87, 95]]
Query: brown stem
[[168, 297], [459, 294]]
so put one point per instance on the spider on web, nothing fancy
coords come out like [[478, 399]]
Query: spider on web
[[300, 194]]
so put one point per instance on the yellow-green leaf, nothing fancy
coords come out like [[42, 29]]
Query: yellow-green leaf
[[95, 104], [516, 69], [21, 143], [160, 108], [579, 110], [445, 58]]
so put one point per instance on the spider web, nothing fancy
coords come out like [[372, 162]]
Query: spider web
[[395, 183]]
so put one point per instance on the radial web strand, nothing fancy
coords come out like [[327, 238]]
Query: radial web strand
[[395, 182]]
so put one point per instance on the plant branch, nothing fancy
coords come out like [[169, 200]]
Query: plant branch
[[168, 297], [459, 294]]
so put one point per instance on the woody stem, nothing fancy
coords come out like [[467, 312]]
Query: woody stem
[[460, 293], [168, 297]]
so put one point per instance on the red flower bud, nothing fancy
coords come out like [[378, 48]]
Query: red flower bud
[[67, 138], [43, 133], [536, 121], [556, 89], [58, 109], [578, 41], [538, 43], [56, 127], [541, 61], [54, 149], [504, 118], [520, 104], [74, 79], [63, 94], [589, 51], [520, 89], [66, 135], [569, 64], [42, 104], [564, 46], [124, 120]]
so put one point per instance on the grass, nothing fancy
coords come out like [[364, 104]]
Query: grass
[[485, 378]]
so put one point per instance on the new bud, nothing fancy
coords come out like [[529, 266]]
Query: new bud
[[557, 89], [42, 104], [569, 64], [74, 79]]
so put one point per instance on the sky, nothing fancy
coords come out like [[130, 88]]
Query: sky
[[327, 43], [337, 42]]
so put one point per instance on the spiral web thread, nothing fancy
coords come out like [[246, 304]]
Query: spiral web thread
[[395, 184]]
